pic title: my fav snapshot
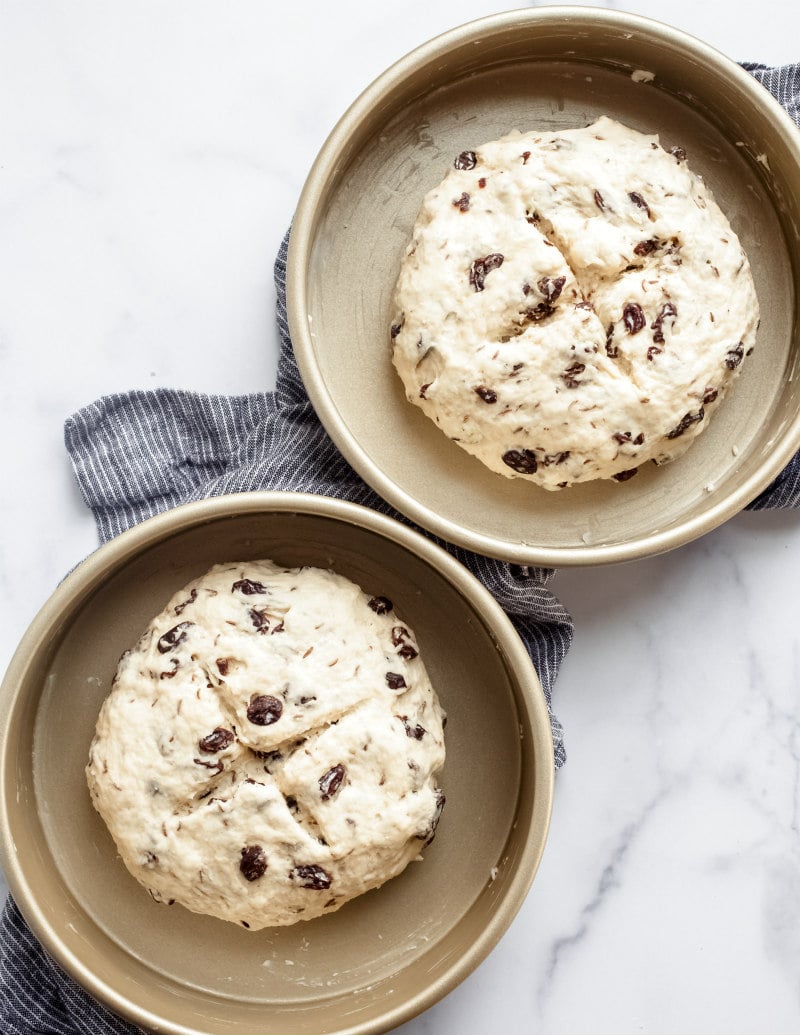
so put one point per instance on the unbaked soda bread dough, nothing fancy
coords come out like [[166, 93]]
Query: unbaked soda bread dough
[[270, 747], [572, 304]]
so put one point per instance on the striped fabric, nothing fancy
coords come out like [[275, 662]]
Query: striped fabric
[[140, 453], [784, 84], [37, 998]]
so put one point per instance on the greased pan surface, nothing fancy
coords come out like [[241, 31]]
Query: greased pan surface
[[381, 958], [550, 68]]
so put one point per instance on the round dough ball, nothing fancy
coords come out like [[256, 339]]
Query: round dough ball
[[572, 305], [270, 747]]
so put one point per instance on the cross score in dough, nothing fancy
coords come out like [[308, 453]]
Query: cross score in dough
[[270, 748]]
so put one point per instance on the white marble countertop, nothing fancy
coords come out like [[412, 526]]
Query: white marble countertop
[[151, 155]]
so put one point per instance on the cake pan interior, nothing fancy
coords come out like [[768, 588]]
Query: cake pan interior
[[379, 959], [547, 69]]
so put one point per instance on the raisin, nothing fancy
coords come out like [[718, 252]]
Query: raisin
[[551, 289], [173, 638], [279, 628], [521, 460], [416, 732], [599, 200], [481, 268], [259, 620], [668, 312], [264, 710], [678, 153], [216, 766], [709, 395], [555, 458], [487, 394], [624, 437], [645, 247], [171, 673], [633, 317], [570, 376], [396, 328], [612, 351], [538, 312], [623, 476], [381, 605], [253, 863], [400, 639], [462, 203], [482, 182], [424, 389], [466, 160], [653, 351], [525, 156], [399, 635], [395, 681], [686, 421], [248, 587], [330, 782], [179, 608], [268, 756], [312, 877], [734, 356], [430, 831], [222, 665], [637, 199], [216, 741]]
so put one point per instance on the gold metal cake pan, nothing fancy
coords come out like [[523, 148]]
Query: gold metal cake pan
[[552, 68], [383, 957]]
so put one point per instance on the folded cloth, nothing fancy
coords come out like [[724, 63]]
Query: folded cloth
[[140, 453]]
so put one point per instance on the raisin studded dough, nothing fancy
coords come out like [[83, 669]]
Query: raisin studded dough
[[269, 749], [572, 304]]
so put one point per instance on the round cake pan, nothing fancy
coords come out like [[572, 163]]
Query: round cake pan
[[546, 68], [383, 957]]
